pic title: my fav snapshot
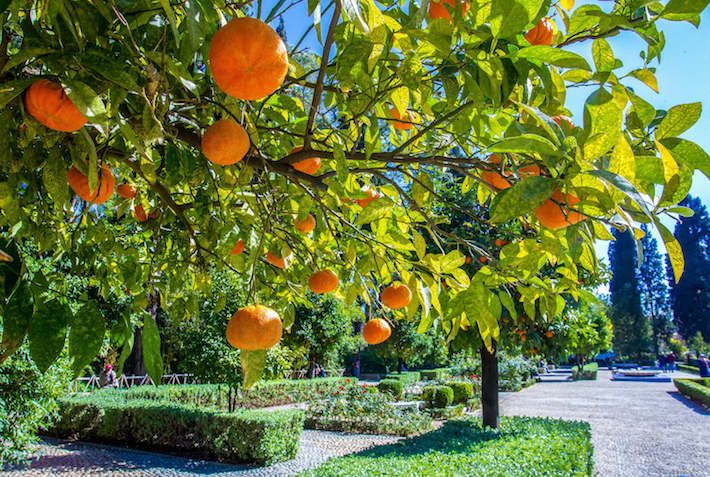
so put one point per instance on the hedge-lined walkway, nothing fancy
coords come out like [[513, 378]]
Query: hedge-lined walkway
[[638, 428], [58, 458]]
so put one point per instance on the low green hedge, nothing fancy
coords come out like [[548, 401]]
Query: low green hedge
[[407, 377], [589, 371], [259, 437], [696, 389], [393, 387], [433, 374], [688, 369], [522, 447], [463, 391], [262, 394], [438, 396]]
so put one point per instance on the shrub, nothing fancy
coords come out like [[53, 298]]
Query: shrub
[[688, 369], [696, 389], [438, 396], [364, 410], [433, 374], [450, 412], [407, 377], [463, 391], [263, 394], [394, 387], [522, 447], [27, 403], [244, 436]]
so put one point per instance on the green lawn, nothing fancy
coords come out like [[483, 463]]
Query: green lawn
[[522, 447]]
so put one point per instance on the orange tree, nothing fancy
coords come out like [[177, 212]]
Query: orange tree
[[229, 140]]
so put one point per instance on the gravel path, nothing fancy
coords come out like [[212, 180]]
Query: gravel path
[[639, 429], [58, 458]]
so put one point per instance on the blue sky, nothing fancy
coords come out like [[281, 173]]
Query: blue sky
[[683, 74]]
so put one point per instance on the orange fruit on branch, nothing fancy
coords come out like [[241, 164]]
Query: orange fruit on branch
[[398, 123], [438, 8], [126, 191], [529, 170], [549, 334], [376, 331], [483, 259], [493, 179], [468, 260], [543, 33], [396, 296], [371, 195], [80, 185], [306, 225], [276, 261], [501, 242], [49, 104], [254, 328], [225, 142], [555, 214], [324, 281], [238, 248], [140, 214], [309, 166], [248, 59]]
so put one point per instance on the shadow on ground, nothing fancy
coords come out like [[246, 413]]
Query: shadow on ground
[[689, 403]]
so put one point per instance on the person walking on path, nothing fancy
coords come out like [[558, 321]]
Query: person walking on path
[[703, 366], [671, 361]]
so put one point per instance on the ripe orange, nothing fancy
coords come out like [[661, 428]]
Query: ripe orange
[[483, 259], [47, 102], [396, 296], [248, 59], [225, 142], [278, 262], [437, 8], [543, 33], [493, 179], [238, 248], [309, 165], [372, 195], [126, 191], [563, 121], [527, 171], [549, 334], [253, 328], [554, 213], [501, 242], [140, 214], [324, 281], [398, 123], [306, 225], [376, 331], [80, 185], [468, 260]]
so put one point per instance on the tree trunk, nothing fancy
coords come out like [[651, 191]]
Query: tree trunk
[[134, 365], [312, 367], [489, 387]]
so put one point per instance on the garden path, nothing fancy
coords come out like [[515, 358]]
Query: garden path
[[57, 458], [639, 429]]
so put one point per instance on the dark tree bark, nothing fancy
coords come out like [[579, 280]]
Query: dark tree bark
[[489, 387]]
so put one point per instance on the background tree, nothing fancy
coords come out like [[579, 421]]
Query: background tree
[[631, 329], [140, 73], [410, 349], [589, 331], [653, 285], [690, 297]]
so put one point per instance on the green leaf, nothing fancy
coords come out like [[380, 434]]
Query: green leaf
[[351, 11], [170, 13], [54, 175], [647, 77], [151, 349], [675, 252], [86, 336], [685, 10], [554, 56], [678, 120], [85, 98], [15, 320], [12, 89], [526, 144], [47, 332], [624, 186], [451, 261], [603, 55], [419, 245], [509, 17], [688, 153], [253, 363], [602, 123], [93, 171], [522, 198]]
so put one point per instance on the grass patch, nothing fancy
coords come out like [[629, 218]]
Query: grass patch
[[521, 447], [589, 371]]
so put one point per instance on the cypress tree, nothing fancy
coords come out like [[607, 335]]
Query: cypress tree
[[655, 301]]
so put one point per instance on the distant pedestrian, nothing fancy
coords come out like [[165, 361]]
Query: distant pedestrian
[[107, 378], [703, 366], [356, 368], [662, 363], [671, 361]]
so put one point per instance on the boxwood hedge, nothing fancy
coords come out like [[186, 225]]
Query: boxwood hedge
[[521, 447], [261, 437], [696, 389]]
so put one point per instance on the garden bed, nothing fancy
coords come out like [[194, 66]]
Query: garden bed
[[696, 389], [259, 437], [522, 447], [589, 372], [688, 369]]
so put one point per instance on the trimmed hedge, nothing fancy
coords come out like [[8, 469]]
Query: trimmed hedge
[[434, 374], [463, 391], [262, 394], [695, 389], [394, 387], [522, 447], [438, 396], [688, 369], [407, 377], [260, 437]]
